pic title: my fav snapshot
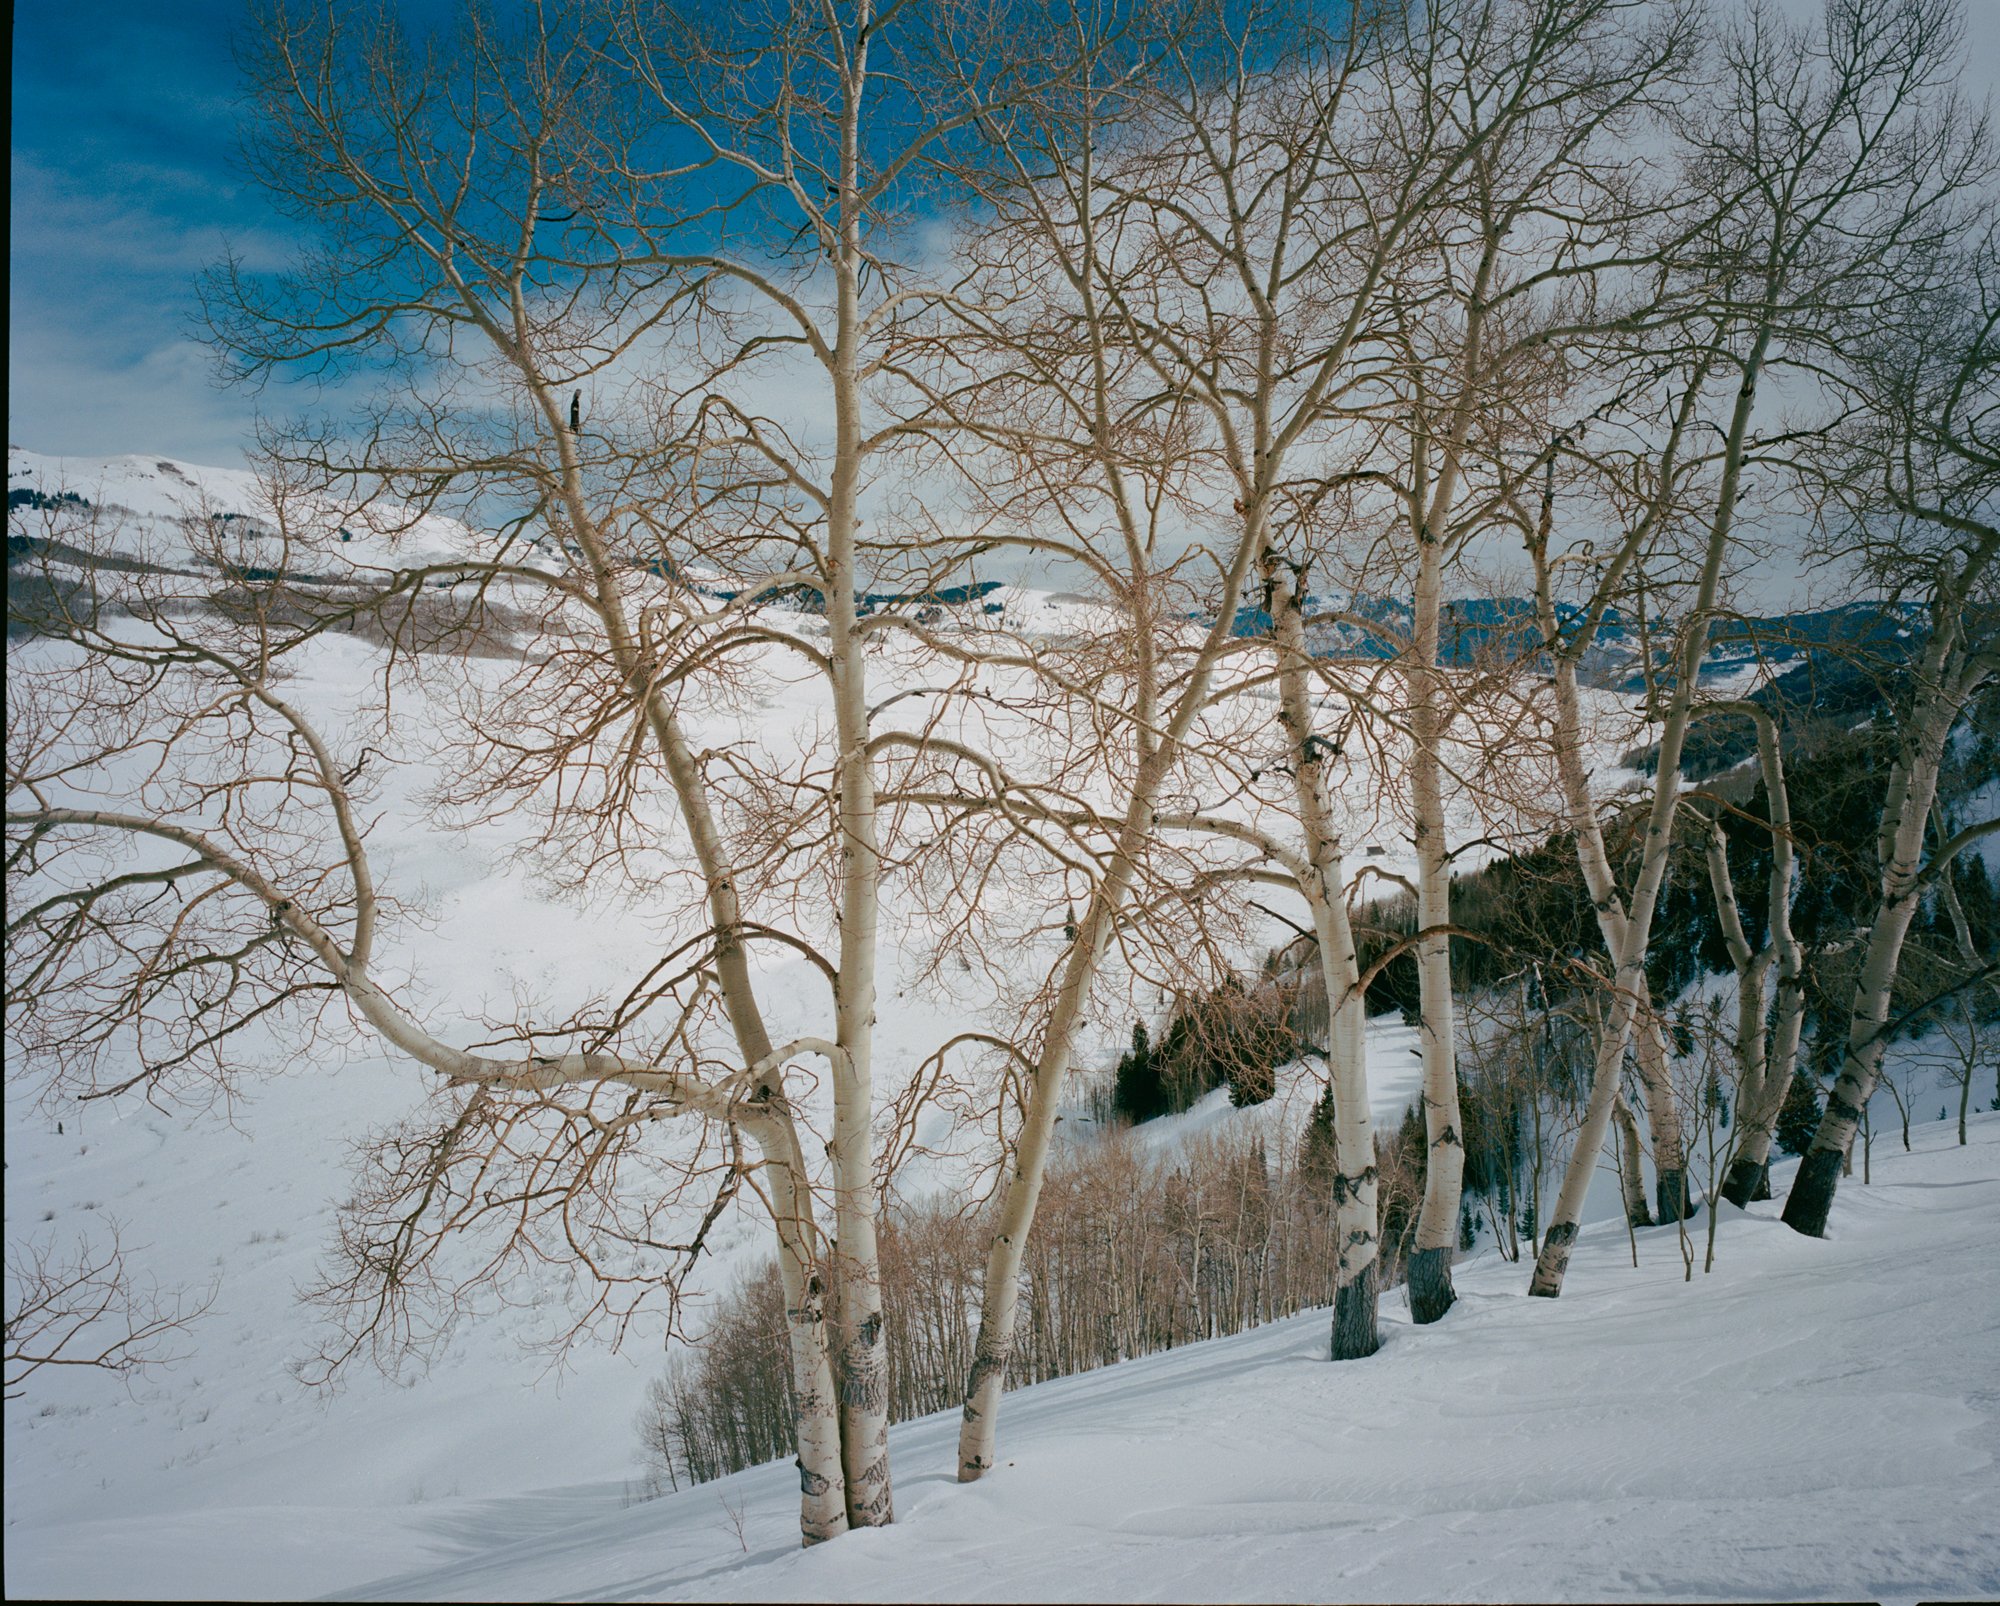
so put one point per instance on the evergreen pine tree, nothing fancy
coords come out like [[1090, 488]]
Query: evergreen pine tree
[[1135, 1087], [1316, 1155], [1798, 1118]]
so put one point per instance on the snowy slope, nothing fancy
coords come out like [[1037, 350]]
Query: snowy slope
[[185, 515], [1812, 1420], [226, 1475]]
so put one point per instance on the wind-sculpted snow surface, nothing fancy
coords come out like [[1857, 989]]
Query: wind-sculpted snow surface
[[1816, 1419]]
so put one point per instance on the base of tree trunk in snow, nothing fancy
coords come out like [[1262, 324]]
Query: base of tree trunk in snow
[[1670, 1192], [1748, 1180], [1430, 1284], [1355, 1334], [870, 1503], [1553, 1261], [1811, 1199]]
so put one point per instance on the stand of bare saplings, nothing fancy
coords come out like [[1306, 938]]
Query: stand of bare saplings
[[1133, 1256]]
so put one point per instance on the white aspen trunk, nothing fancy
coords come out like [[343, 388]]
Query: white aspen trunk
[[1627, 938], [1356, 1220], [1000, 1295], [1631, 1166], [1429, 1270], [1559, 1235], [816, 1427], [815, 1416], [1663, 1111], [1766, 1059], [1943, 686], [860, 1346]]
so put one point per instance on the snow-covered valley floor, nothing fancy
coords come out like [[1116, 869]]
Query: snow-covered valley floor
[[1813, 1419]]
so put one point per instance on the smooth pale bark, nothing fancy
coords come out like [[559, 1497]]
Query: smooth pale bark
[[1356, 1221], [1559, 1238], [1256, 445], [860, 1347], [815, 1414], [845, 1282], [1765, 1058], [1627, 928], [1663, 1111], [1429, 1270], [1000, 1292], [1944, 683], [1631, 1166], [802, 1269]]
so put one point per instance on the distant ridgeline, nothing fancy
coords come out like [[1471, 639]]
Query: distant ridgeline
[[1472, 629], [1840, 665], [1830, 663], [809, 599]]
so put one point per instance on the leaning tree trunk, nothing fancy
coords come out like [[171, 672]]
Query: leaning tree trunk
[[766, 1115], [1000, 1292], [1559, 1238], [1628, 931], [1356, 1223], [1944, 683]]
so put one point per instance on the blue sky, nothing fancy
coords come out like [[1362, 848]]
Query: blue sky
[[124, 129], [124, 186]]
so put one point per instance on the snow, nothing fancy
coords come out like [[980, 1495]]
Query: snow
[[163, 509], [1811, 1420]]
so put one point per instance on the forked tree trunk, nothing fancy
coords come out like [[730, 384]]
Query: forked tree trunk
[[1944, 682], [767, 1116], [1356, 1222], [1627, 926], [1765, 1060]]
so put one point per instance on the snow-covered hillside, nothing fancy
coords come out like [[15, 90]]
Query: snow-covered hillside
[[1812, 1420], [174, 513], [1610, 1430]]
